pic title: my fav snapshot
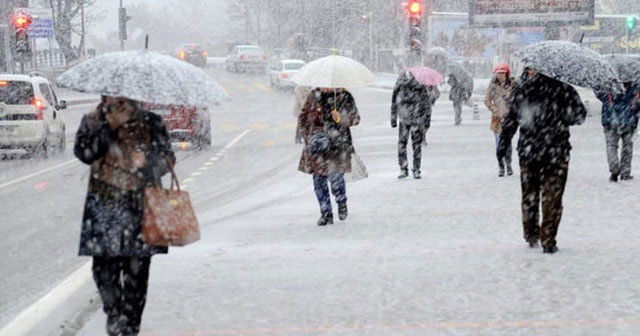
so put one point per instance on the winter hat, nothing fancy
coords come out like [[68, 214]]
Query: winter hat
[[502, 67]]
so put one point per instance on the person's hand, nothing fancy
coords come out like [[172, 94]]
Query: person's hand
[[138, 159], [335, 115], [116, 116], [394, 124]]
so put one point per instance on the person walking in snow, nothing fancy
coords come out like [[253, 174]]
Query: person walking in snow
[[324, 123], [543, 109], [459, 93], [411, 103], [128, 149], [620, 120], [497, 100]]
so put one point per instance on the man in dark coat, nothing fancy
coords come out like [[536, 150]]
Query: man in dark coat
[[543, 109], [332, 112], [459, 93], [128, 149], [620, 120], [411, 102]]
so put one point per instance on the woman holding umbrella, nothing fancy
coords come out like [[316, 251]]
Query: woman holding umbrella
[[324, 124], [497, 101], [128, 149]]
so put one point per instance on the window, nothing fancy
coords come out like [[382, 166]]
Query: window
[[44, 88], [16, 92]]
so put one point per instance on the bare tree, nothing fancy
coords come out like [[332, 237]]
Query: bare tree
[[64, 12]]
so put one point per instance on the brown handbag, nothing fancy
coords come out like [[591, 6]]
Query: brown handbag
[[168, 217]]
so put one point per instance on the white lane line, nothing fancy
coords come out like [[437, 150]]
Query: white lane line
[[234, 141], [49, 303], [26, 177]]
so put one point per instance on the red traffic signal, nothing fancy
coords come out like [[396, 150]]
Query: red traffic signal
[[21, 21], [415, 7]]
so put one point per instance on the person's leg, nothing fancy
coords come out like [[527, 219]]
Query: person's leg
[[626, 153], [136, 280], [554, 181], [508, 159], [530, 181], [611, 137], [500, 161], [403, 139], [321, 188], [339, 191], [417, 134], [457, 107], [106, 274]]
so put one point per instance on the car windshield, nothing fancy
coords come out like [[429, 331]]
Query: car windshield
[[293, 66], [250, 50], [16, 92]]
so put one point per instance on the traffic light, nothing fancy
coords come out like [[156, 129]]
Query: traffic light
[[631, 22], [415, 8], [21, 49]]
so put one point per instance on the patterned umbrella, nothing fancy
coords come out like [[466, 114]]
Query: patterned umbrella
[[627, 67], [571, 63], [144, 76]]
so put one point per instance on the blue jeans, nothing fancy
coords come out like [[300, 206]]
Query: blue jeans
[[321, 188]]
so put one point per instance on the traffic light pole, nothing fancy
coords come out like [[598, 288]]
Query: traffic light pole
[[627, 41], [121, 39]]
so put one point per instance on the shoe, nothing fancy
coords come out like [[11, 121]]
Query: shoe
[[417, 175], [114, 324], [403, 174], [324, 220], [626, 177], [509, 170], [533, 242], [613, 178], [342, 211], [550, 249], [501, 172]]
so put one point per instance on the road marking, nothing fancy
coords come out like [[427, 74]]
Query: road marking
[[42, 308], [269, 143], [263, 87], [26, 177], [259, 126]]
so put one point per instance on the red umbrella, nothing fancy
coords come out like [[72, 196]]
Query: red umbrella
[[426, 75]]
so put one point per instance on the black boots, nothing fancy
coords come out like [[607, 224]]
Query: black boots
[[342, 211], [403, 173], [324, 220], [550, 249]]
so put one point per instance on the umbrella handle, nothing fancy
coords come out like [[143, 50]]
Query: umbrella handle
[[146, 42]]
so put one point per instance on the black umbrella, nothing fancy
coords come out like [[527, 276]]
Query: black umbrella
[[571, 63], [627, 67]]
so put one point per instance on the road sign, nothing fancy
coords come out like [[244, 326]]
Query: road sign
[[41, 28]]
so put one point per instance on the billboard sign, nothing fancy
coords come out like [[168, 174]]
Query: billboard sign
[[505, 13], [41, 28]]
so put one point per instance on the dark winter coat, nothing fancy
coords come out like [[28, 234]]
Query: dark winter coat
[[620, 109], [112, 220], [412, 102], [544, 109], [316, 117], [458, 91]]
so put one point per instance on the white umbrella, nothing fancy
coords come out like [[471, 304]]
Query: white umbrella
[[144, 76], [333, 72]]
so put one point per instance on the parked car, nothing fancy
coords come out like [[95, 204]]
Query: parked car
[[30, 117], [281, 72], [193, 53], [246, 58], [185, 123]]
